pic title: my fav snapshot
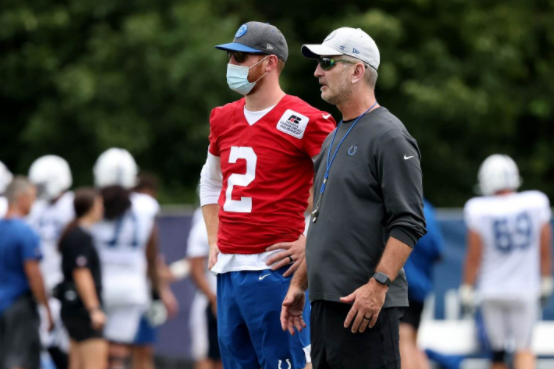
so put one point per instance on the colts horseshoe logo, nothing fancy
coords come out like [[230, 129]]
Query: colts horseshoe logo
[[288, 362], [352, 150]]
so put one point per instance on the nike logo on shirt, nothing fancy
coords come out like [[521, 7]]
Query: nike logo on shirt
[[408, 157], [326, 116]]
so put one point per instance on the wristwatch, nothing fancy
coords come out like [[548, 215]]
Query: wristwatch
[[382, 278]]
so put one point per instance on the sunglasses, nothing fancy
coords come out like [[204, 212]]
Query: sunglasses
[[240, 56], [329, 63]]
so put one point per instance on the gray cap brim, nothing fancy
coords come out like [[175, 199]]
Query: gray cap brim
[[316, 51]]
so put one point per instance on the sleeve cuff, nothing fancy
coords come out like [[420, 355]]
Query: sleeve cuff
[[404, 235], [209, 199]]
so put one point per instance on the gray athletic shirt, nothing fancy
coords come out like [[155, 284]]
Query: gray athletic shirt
[[374, 191]]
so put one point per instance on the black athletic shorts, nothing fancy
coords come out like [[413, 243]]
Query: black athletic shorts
[[412, 314], [336, 347], [213, 342], [79, 327], [19, 337]]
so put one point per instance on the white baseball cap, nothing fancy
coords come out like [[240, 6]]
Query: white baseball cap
[[346, 41]]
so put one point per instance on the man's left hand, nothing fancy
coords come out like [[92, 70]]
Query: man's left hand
[[367, 303], [292, 250]]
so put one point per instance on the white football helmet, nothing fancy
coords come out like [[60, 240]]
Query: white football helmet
[[498, 172], [115, 167], [5, 177], [51, 175]]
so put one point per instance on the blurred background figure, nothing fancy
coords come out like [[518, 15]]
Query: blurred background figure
[[126, 240], [21, 282], [163, 303], [419, 273], [509, 259], [203, 316], [49, 216], [5, 179], [80, 291]]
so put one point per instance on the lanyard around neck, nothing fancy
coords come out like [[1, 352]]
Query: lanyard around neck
[[330, 162]]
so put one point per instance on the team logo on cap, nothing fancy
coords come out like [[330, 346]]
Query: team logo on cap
[[242, 30]]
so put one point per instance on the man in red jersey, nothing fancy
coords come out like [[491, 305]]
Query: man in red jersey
[[254, 191]]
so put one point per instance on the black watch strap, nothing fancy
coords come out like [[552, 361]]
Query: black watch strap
[[382, 278]]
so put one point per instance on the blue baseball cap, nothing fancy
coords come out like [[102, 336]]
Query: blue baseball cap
[[258, 38]]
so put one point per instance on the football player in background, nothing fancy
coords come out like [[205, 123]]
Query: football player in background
[[49, 216], [254, 190], [203, 316], [509, 259], [163, 301], [419, 273], [5, 179], [126, 241]]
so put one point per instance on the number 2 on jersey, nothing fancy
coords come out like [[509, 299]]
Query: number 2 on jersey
[[510, 236], [244, 205]]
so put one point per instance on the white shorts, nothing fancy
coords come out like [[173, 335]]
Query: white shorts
[[123, 322], [510, 321], [198, 324]]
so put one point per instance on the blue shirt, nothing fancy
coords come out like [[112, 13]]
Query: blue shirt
[[419, 267], [18, 244]]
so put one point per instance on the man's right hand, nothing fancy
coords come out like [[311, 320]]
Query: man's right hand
[[212, 259], [293, 307]]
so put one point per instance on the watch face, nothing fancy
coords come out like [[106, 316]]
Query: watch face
[[381, 278]]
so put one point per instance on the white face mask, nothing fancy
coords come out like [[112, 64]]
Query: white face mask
[[237, 78]]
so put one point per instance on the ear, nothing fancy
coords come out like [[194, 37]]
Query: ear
[[358, 73], [272, 62]]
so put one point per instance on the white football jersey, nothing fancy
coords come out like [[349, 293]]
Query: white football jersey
[[121, 244], [3, 206], [509, 227], [49, 221], [198, 246]]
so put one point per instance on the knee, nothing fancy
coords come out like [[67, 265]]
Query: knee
[[118, 357]]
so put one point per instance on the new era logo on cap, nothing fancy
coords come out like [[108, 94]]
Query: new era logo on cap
[[346, 41]]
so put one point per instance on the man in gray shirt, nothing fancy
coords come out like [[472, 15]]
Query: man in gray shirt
[[368, 215]]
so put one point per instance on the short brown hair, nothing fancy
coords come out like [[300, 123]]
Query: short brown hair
[[18, 185]]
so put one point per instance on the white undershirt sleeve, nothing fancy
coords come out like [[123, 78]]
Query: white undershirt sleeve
[[211, 181]]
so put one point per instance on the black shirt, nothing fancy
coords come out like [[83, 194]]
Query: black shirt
[[78, 251], [374, 191]]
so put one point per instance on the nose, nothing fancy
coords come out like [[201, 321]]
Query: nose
[[319, 72]]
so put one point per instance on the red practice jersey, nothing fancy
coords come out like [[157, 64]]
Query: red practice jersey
[[267, 172]]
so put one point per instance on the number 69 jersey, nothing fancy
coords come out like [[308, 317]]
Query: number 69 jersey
[[121, 244], [510, 229], [267, 172]]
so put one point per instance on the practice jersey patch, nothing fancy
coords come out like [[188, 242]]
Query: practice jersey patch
[[293, 123]]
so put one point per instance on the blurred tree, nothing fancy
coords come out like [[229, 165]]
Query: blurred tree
[[467, 78]]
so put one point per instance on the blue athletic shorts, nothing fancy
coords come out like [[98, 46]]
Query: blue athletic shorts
[[248, 322], [146, 334]]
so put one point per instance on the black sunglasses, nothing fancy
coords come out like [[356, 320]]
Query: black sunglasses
[[240, 56], [329, 63]]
